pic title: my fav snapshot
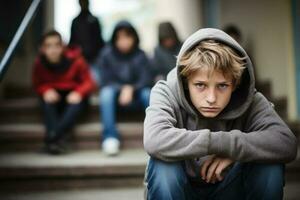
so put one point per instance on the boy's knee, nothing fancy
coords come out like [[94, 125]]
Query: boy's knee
[[107, 94], [267, 179], [165, 176], [274, 175], [268, 171]]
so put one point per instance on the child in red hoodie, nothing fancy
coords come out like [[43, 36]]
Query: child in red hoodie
[[62, 80]]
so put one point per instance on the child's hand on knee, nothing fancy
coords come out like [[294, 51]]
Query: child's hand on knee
[[126, 95], [74, 98], [51, 96]]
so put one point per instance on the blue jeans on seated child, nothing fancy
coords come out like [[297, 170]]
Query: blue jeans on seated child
[[168, 180], [108, 103]]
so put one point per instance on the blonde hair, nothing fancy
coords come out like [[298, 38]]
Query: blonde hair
[[213, 56]]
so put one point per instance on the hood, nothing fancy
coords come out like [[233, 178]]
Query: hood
[[129, 27], [167, 30], [241, 98]]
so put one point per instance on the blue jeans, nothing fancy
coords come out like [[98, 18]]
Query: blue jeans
[[108, 105], [168, 180], [60, 117]]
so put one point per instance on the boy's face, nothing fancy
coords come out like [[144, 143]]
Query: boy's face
[[124, 41], [52, 48], [210, 94]]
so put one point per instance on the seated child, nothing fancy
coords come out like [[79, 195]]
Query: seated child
[[62, 80], [125, 80], [164, 58], [209, 133]]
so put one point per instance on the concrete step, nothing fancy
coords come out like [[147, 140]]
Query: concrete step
[[83, 169], [123, 193], [11, 91], [29, 137], [30, 171]]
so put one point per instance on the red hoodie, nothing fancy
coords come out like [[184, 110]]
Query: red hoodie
[[76, 77]]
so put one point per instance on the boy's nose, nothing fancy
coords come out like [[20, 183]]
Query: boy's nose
[[211, 97]]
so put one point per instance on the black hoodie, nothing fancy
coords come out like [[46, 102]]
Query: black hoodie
[[164, 59], [86, 33], [118, 68]]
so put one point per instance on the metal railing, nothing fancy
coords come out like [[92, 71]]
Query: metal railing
[[18, 35]]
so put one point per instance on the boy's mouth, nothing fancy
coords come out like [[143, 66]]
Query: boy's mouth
[[210, 109]]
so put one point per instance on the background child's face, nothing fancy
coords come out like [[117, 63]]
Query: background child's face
[[52, 48], [168, 43], [210, 94], [124, 42]]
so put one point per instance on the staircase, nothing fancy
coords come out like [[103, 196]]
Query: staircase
[[24, 169]]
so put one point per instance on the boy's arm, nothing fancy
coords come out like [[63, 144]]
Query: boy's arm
[[268, 138], [162, 139], [107, 75], [143, 72], [157, 63], [39, 85]]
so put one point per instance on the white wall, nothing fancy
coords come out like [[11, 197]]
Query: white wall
[[267, 26], [186, 15], [145, 15]]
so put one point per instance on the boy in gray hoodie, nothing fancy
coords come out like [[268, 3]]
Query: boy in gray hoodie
[[209, 133]]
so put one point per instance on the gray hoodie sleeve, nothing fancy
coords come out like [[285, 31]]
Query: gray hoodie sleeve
[[266, 139], [162, 139]]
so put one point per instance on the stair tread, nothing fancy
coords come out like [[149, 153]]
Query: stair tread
[[93, 129], [78, 158], [19, 103], [37, 127], [124, 193], [31, 103], [80, 163]]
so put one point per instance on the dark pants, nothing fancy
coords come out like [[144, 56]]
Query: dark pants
[[255, 181], [60, 117]]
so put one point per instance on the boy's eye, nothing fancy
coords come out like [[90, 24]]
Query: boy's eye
[[200, 85], [223, 86]]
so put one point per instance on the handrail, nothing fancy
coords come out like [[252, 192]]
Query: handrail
[[16, 39]]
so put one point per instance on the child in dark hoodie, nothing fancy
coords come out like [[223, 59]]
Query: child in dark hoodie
[[62, 80], [209, 133], [125, 79], [164, 58]]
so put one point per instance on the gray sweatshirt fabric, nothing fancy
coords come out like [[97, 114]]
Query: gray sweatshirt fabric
[[247, 130]]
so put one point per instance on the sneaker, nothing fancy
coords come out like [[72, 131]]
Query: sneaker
[[111, 146], [55, 149]]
